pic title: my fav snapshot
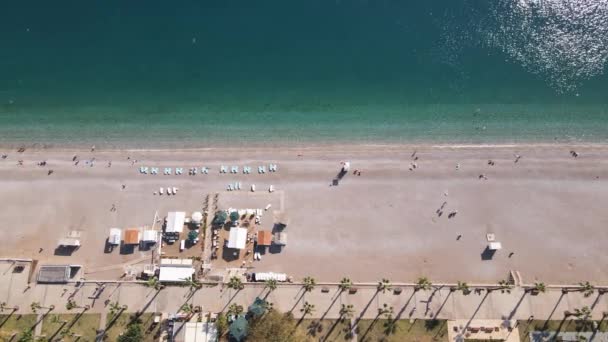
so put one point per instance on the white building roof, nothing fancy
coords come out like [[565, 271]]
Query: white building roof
[[263, 276], [175, 222], [171, 262], [200, 332], [237, 238], [150, 235], [115, 236], [175, 273]]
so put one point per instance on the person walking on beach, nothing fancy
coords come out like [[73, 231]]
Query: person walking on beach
[[113, 207]]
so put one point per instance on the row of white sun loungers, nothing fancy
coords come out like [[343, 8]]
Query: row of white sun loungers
[[241, 212], [237, 186], [205, 170], [170, 191]]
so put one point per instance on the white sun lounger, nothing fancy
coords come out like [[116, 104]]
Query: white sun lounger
[[271, 188], [143, 169], [167, 171], [179, 170], [246, 169], [222, 169], [204, 170], [239, 185], [194, 171], [175, 190], [229, 188], [161, 191], [154, 170], [234, 169], [272, 167], [262, 169], [252, 187]]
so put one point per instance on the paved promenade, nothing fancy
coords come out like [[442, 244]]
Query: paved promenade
[[438, 302]]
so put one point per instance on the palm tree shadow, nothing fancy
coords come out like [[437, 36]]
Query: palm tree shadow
[[297, 301], [63, 324], [369, 328], [365, 309], [331, 304], [333, 327], [477, 309], [546, 325], [514, 311], [398, 316], [139, 313], [443, 304], [7, 318], [229, 300]]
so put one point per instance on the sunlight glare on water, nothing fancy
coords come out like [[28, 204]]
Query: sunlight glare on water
[[563, 41]]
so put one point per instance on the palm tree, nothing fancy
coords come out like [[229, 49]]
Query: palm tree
[[307, 309], [309, 283], [384, 285], [2, 306], [505, 286], [271, 284], [71, 304], [345, 284], [346, 311], [587, 288], [116, 308], [462, 286], [193, 283], [235, 283], [27, 335], [385, 310], [423, 283], [538, 288], [154, 283], [235, 309], [390, 326], [35, 306], [187, 309], [582, 313]]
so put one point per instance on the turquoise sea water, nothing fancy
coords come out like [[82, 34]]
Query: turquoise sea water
[[198, 73]]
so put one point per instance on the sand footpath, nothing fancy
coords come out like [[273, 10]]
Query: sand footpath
[[548, 209]]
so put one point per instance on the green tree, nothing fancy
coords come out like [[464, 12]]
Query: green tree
[[309, 283], [505, 286], [154, 283], [35, 306], [71, 304], [116, 308], [464, 287], [134, 333], [235, 283], [193, 283], [385, 310], [235, 309], [234, 216], [586, 288], [423, 283], [276, 327], [307, 309], [222, 324], [346, 311], [538, 288], [384, 285], [345, 284], [2, 306], [583, 313], [192, 235], [271, 284], [27, 335], [390, 326], [220, 218]]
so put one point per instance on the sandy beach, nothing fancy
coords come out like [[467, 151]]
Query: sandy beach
[[547, 210]]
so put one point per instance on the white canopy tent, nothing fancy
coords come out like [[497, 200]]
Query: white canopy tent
[[197, 217], [237, 238], [175, 222], [177, 273], [263, 276], [150, 236], [115, 236]]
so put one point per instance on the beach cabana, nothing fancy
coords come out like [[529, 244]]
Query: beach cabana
[[264, 238], [237, 238], [150, 236], [494, 246], [69, 242], [175, 222], [280, 238], [131, 236], [115, 236]]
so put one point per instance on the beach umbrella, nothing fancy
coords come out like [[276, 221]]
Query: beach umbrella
[[239, 328], [234, 216]]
